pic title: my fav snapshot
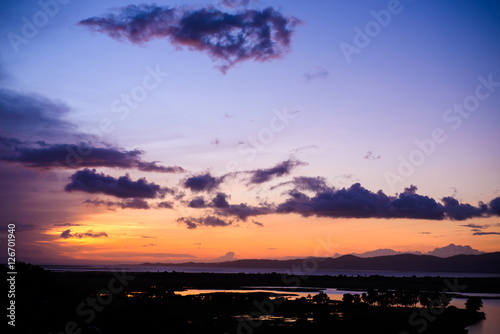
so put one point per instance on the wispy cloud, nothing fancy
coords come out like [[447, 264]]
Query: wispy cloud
[[371, 156], [486, 233], [317, 73], [134, 203], [212, 221], [89, 234], [283, 168]]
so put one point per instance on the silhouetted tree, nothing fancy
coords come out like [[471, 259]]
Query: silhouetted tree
[[425, 299], [473, 304], [321, 298], [347, 299]]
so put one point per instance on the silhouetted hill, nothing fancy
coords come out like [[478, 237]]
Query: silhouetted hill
[[484, 263]]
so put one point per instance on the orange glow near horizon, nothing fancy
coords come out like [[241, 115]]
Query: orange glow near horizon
[[138, 238]]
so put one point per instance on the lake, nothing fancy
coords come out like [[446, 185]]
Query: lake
[[491, 307]]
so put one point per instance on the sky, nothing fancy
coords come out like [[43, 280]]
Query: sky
[[241, 129]]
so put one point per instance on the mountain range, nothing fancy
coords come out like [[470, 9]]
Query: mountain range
[[471, 263], [446, 251]]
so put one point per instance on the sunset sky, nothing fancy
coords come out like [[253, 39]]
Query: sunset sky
[[213, 130]]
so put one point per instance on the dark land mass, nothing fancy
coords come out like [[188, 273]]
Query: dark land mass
[[484, 263], [119, 302]]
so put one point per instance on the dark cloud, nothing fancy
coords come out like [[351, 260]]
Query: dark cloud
[[410, 205], [10, 142], [220, 201], [495, 206], [33, 115], [257, 223], [370, 156], [203, 182], [88, 180], [226, 37], [134, 203], [358, 202], [486, 233], [83, 155], [476, 226], [459, 211], [242, 211], [197, 203], [283, 168], [165, 205], [304, 183], [89, 234], [318, 73], [212, 221], [67, 224]]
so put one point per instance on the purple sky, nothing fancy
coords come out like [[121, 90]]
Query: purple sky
[[234, 117]]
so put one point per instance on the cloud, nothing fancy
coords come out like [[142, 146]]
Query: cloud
[[165, 205], [149, 245], [203, 182], [283, 168], [242, 211], [370, 156], [134, 203], [257, 223], [495, 206], [258, 35], [358, 202], [476, 226], [197, 203], [89, 234], [148, 237], [229, 256], [33, 115], [458, 211], [90, 181], [83, 155], [424, 232], [67, 224], [486, 233], [304, 183], [220, 201], [317, 73], [212, 221]]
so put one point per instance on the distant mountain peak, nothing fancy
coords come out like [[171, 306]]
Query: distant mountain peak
[[446, 251], [452, 250]]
